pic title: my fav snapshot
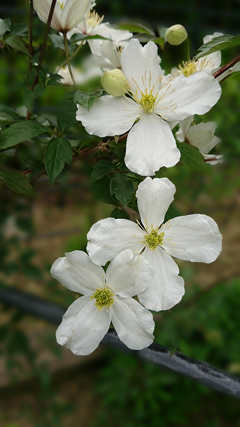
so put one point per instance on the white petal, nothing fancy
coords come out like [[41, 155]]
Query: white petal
[[211, 62], [202, 136], [109, 116], [185, 96], [192, 238], [73, 12], [184, 125], [167, 287], [83, 326], [150, 145], [154, 198], [213, 159], [78, 273], [108, 237], [133, 323], [127, 276], [140, 64], [42, 8]]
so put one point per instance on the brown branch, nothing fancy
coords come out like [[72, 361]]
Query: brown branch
[[226, 67]]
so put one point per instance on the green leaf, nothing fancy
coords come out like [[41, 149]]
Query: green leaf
[[38, 90], [218, 43], [190, 156], [28, 98], [58, 42], [136, 27], [101, 190], [19, 29], [66, 117], [80, 37], [7, 114], [16, 181], [162, 32], [145, 38], [17, 43], [118, 213], [20, 132], [5, 25], [122, 188], [86, 99], [58, 152], [100, 169], [53, 80], [31, 75]]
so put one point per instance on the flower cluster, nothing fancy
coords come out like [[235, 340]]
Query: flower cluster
[[147, 104]]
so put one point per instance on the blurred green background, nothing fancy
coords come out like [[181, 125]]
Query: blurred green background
[[42, 384]]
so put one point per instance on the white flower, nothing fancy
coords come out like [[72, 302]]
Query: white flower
[[67, 13], [150, 142], [192, 237], [200, 136], [107, 297], [92, 25], [80, 76]]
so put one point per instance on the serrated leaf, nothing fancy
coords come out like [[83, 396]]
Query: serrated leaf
[[42, 75], [136, 27], [66, 117], [19, 29], [101, 190], [118, 213], [218, 43], [16, 181], [20, 132], [5, 25], [100, 169], [58, 152], [85, 99], [81, 37], [17, 43], [190, 156], [53, 80], [122, 188]]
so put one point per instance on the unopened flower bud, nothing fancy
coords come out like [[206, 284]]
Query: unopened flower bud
[[114, 82], [176, 34]]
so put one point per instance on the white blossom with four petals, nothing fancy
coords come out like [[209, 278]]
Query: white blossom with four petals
[[150, 142], [192, 237], [107, 297]]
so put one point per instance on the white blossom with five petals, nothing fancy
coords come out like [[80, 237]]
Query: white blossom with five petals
[[107, 297], [152, 102], [192, 237]]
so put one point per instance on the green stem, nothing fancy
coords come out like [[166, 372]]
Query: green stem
[[67, 59], [30, 34], [70, 58], [188, 53]]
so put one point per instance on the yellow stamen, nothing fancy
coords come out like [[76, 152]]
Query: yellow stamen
[[103, 297]]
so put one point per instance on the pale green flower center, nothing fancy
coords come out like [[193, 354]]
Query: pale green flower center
[[189, 68], [103, 297], [93, 19], [153, 239], [148, 101]]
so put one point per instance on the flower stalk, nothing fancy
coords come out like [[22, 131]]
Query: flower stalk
[[68, 59]]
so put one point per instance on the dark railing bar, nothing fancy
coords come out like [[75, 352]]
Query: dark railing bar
[[177, 362]]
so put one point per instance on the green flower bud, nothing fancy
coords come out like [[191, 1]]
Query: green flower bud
[[176, 34], [114, 82]]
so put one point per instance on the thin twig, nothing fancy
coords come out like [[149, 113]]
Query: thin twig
[[67, 59], [226, 67], [70, 58], [30, 34]]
